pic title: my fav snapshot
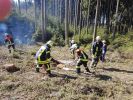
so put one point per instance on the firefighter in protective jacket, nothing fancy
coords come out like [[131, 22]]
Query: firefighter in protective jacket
[[43, 58], [96, 51], [9, 42], [82, 60]]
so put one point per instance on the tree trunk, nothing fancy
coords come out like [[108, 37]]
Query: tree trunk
[[54, 7], [19, 8], [66, 22], [60, 11], [26, 6], [14, 5], [108, 17], [75, 16], [80, 19], [70, 12], [35, 14], [96, 18], [116, 16], [88, 16], [77, 12], [43, 11]]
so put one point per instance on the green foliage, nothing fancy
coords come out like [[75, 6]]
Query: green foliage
[[54, 31], [85, 38], [123, 43], [37, 36], [58, 39]]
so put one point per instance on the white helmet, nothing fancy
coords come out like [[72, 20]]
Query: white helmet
[[50, 43], [6, 34], [104, 41], [98, 38], [72, 41]]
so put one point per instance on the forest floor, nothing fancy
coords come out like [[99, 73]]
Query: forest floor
[[113, 79]]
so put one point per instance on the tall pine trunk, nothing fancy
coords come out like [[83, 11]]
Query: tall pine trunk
[[108, 17], [80, 19], [35, 14], [60, 11], [116, 17], [19, 7], [89, 1], [43, 12], [26, 6], [96, 19], [75, 16], [70, 12], [66, 22]]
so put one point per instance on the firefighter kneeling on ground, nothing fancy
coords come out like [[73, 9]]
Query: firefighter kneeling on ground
[[82, 59], [43, 58], [9, 42]]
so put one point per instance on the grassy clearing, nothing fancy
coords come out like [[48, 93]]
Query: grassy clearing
[[112, 81]]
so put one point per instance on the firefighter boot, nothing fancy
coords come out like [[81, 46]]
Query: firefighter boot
[[78, 70], [87, 69], [37, 68], [49, 73], [9, 51]]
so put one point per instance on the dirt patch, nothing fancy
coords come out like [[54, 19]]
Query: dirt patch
[[92, 89], [11, 68]]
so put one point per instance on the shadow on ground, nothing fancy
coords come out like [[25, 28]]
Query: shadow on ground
[[55, 74], [103, 77], [117, 70]]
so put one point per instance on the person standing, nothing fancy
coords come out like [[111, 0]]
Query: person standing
[[104, 50], [9, 42], [96, 51]]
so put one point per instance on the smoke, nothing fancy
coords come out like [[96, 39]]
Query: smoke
[[20, 28], [3, 29]]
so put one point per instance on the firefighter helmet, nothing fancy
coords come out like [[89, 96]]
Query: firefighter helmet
[[50, 43], [98, 38]]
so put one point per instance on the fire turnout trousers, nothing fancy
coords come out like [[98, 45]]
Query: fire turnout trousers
[[95, 61], [79, 63], [47, 67], [45, 63]]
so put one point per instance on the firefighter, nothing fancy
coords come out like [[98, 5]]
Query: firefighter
[[72, 42], [9, 42], [73, 48], [43, 58], [96, 51], [104, 50], [82, 59]]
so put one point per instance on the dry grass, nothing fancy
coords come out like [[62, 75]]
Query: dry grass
[[113, 79]]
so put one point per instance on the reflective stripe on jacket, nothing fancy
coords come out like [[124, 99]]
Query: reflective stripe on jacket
[[43, 55], [83, 56]]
